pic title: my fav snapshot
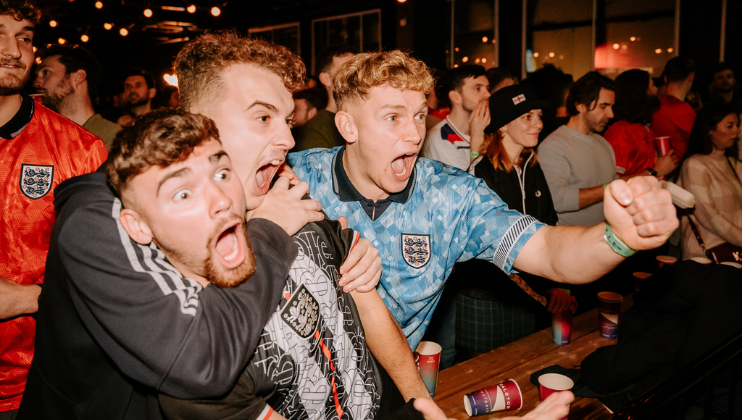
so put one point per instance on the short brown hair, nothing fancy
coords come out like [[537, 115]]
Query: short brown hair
[[355, 79], [200, 63], [159, 138], [21, 9]]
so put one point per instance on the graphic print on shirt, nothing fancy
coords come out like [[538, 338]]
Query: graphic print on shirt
[[312, 359], [36, 180], [449, 134], [416, 249]]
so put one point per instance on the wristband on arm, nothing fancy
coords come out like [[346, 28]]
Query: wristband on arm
[[617, 245]]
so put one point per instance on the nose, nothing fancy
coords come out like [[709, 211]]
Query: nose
[[10, 48], [609, 114], [37, 82], [414, 133], [283, 138], [486, 94], [538, 123], [219, 201]]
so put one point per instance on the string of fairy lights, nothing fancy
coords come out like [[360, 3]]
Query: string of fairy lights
[[148, 12]]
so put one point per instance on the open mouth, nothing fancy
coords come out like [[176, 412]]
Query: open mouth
[[228, 246], [402, 166], [265, 174]]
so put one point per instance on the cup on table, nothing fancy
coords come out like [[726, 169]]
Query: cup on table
[[609, 309], [429, 359], [663, 260], [561, 326], [639, 278], [550, 383], [662, 145], [701, 260], [501, 397]]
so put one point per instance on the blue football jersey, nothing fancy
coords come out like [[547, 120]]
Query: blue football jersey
[[449, 216]]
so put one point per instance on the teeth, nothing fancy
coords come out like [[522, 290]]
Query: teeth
[[232, 255], [275, 162]]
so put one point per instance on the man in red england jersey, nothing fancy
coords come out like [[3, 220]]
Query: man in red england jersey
[[675, 117], [38, 150]]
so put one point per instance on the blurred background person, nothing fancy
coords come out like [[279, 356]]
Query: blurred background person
[[552, 85], [630, 136], [169, 97], [437, 109], [499, 78], [139, 91], [723, 87], [675, 117], [69, 80], [713, 174], [307, 103], [492, 310]]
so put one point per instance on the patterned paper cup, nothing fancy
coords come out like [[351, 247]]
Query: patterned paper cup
[[550, 383], [561, 326], [501, 397], [609, 311], [429, 358]]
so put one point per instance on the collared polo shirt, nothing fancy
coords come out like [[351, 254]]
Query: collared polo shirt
[[443, 216]]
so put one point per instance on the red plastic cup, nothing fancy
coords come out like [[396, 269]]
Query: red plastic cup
[[663, 260], [428, 361], [501, 397], [662, 145], [609, 309], [550, 383], [639, 278]]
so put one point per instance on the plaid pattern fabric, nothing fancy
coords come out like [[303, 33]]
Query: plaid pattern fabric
[[484, 325], [461, 217], [718, 194]]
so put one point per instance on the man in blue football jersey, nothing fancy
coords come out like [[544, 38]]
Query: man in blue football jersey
[[424, 216]]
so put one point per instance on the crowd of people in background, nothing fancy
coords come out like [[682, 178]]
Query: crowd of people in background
[[528, 159]]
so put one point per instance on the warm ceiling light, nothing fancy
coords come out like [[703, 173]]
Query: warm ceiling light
[[215, 11], [123, 32], [84, 38], [484, 60], [658, 51], [61, 41], [148, 13], [616, 46], [53, 23], [535, 55], [485, 39], [108, 26], [98, 4], [669, 50], [477, 61], [191, 8], [455, 65], [401, 1], [171, 79], [633, 38], [465, 59], [35, 49], [456, 49], [551, 54], [38, 60]]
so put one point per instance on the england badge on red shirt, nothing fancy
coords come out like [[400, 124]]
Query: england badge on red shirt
[[518, 99], [36, 180]]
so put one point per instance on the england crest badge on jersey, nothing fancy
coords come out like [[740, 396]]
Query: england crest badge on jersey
[[36, 180], [416, 249]]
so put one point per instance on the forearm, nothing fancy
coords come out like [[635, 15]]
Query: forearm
[[590, 196], [389, 345], [568, 254], [17, 300]]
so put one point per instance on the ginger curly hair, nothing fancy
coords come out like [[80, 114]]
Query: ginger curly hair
[[201, 62], [21, 9], [355, 79]]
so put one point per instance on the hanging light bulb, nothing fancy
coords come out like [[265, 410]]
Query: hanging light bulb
[[53, 23], [61, 41], [148, 13], [84, 38], [108, 26], [98, 4], [215, 11], [124, 31], [191, 8]]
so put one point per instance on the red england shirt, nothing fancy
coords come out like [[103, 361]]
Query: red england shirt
[[675, 119], [633, 145], [38, 150]]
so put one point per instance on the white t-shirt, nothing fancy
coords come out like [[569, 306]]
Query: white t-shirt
[[446, 143]]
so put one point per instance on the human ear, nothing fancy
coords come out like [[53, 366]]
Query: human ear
[[135, 227], [312, 112], [152, 92], [346, 126], [454, 97], [325, 78], [581, 108], [79, 77]]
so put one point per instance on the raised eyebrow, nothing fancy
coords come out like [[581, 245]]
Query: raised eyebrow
[[390, 106], [216, 157], [270, 107], [177, 174]]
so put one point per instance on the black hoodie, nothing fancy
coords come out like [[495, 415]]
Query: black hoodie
[[117, 324]]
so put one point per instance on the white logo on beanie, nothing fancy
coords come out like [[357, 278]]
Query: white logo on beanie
[[518, 99]]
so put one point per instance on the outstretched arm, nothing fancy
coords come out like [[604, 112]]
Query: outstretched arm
[[389, 345], [640, 214]]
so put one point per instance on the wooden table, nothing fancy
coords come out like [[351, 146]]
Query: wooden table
[[518, 361]]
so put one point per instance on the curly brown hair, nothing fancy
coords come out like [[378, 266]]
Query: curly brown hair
[[355, 79], [199, 65], [160, 138], [21, 9]]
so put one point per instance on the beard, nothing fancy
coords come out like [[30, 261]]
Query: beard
[[12, 84], [136, 100], [53, 98]]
